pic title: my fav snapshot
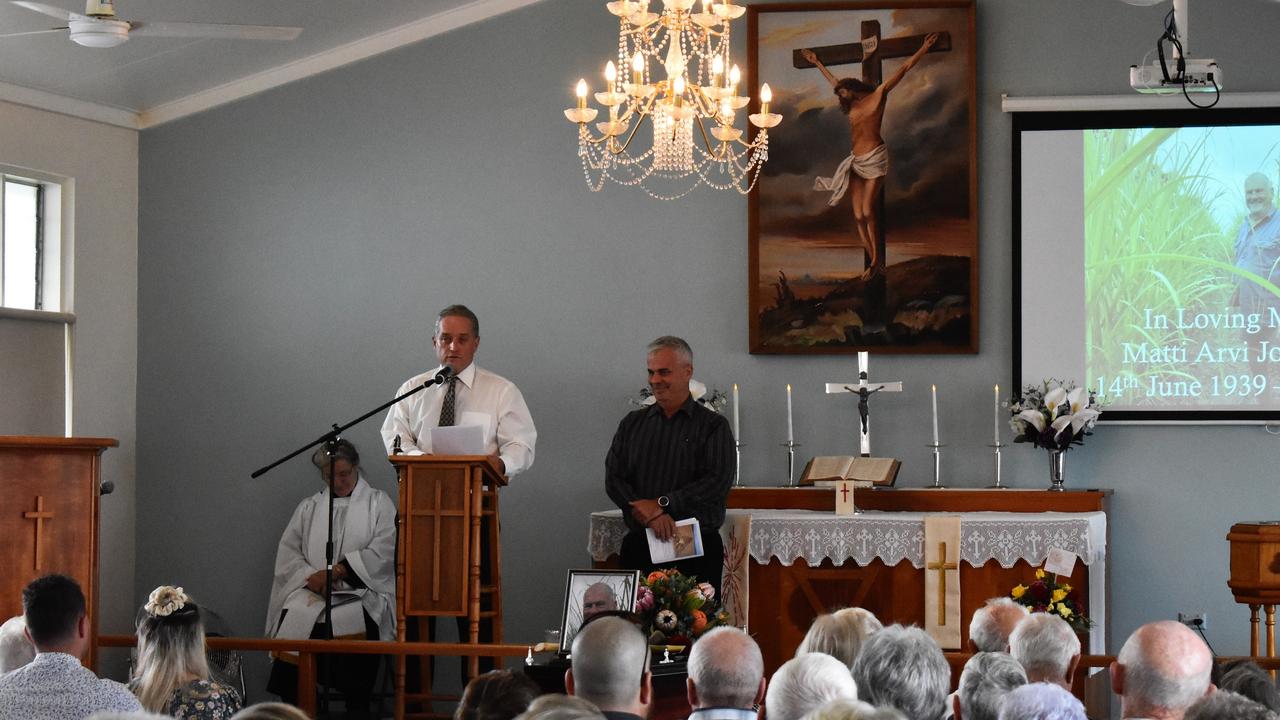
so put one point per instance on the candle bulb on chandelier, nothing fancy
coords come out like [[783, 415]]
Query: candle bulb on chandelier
[[610, 76], [582, 93], [717, 69], [766, 96], [677, 91], [637, 69], [735, 75]]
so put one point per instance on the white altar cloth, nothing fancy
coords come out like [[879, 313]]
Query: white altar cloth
[[892, 537]]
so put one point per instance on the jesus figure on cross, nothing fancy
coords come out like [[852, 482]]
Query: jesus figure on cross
[[863, 172]]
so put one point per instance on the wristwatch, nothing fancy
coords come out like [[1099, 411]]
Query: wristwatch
[[664, 502]]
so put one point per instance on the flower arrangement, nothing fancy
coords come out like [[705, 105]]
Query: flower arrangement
[[676, 607], [1049, 596], [166, 600], [1053, 415], [714, 400]]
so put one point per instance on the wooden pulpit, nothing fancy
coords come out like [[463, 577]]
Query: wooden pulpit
[[50, 518], [443, 500], [1255, 575]]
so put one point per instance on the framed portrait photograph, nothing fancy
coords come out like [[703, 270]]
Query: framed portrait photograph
[[863, 227], [591, 592]]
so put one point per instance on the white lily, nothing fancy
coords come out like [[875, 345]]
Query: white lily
[[1035, 417], [1053, 399], [1079, 416]]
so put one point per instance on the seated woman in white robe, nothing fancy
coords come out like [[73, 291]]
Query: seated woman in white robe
[[364, 539]]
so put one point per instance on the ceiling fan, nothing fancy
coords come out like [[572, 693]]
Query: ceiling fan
[[98, 27]]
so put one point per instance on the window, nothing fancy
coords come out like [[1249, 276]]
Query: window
[[30, 243]]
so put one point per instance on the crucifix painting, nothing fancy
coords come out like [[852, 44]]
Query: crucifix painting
[[863, 226]]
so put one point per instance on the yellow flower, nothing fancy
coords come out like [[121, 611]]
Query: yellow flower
[[1039, 573], [1066, 587], [1018, 591], [1064, 611], [1059, 595]]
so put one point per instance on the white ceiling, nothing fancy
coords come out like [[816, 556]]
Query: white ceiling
[[151, 80]]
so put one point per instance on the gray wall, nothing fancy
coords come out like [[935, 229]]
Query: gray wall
[[102, 162], [294, 247]]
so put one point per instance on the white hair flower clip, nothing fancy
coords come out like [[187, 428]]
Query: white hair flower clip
[[166, 600]]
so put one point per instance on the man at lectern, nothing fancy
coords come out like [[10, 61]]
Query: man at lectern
[[670, 461], [471, 396]]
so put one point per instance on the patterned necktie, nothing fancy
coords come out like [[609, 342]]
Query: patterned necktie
[[450, 399]]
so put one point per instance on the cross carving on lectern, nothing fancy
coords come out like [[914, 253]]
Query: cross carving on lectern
[[864, 391], [844, 492], [39, 515], [942, 566]]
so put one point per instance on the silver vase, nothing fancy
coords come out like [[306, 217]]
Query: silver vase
[[1057, 470]]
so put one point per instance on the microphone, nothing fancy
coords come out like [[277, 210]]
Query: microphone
[[106, 488], [444, 373]]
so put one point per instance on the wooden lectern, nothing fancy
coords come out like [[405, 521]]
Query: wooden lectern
[[442, 501], [50, 518], [1255, 575]]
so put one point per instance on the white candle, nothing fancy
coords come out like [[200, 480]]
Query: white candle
[[934, 391], [737, 430], [997, 415], [791, 436]]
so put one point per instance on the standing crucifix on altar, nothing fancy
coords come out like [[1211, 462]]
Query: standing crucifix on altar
[[864, 390]]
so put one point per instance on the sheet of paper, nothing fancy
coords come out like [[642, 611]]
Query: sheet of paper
[[457, 440], [1060, 562], [685, 543]]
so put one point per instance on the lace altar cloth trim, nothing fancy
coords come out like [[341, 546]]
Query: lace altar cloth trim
[[891, 537]]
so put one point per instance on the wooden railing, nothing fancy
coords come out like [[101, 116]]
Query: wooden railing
[[308, 650]]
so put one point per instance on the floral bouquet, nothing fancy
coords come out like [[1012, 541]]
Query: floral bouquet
[[1050, 596], [677, 608], [1053, 415], [713, 399]]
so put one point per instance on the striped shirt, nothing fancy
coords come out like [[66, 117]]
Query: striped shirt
[[688, 457]]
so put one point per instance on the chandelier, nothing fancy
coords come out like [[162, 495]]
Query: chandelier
[[682, 81]]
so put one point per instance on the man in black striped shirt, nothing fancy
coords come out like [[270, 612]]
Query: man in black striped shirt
[[670, 461]]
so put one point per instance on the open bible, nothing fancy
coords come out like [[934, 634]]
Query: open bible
[[831, 469]]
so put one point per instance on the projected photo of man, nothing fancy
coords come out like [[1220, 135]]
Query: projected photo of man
[[1258, 251]]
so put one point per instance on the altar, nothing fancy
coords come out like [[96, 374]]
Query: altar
[[803, 561]]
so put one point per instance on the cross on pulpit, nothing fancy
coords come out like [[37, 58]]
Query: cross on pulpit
[[844, 492], [942, 566], [39, 515], [864, 391]]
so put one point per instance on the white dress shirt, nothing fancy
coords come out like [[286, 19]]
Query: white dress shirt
[[55, 686], [481, 398]]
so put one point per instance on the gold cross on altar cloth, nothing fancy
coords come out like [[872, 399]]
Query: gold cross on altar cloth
[[39, 515], [942, 566]]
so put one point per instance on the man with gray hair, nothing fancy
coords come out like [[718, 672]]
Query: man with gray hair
[[1227, 705], [1257, 249], [1162, 670], [1048, 649], [16, 649], [806, 683], [670, 461], [726, 676], [609, 668], [903, 668], [993, 623], [1041, 701], [985, 680]]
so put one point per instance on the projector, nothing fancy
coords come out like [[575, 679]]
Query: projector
[[1199, 76]]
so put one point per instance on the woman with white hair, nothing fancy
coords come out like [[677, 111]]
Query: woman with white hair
[[840, 634], [172, 673], [16, 649]]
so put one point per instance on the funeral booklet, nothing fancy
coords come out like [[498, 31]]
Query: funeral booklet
[[831, 469], [685, 543]]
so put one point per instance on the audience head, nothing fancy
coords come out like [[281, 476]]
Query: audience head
[[1161, 671], [15, 649], [1041, 701], [1246, 678], [806, 683], [726, 669], [853, 710], [1227, 705], [903, 668], [840, 634], [496, 695], [993, 623], [54, 610], [561, 707], [128, 716], [610, 666], [985, 680], [270, 711], [1047, 647], [170, 647]]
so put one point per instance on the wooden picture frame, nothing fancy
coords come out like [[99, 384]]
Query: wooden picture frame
[[624, 584], [814, 288]]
